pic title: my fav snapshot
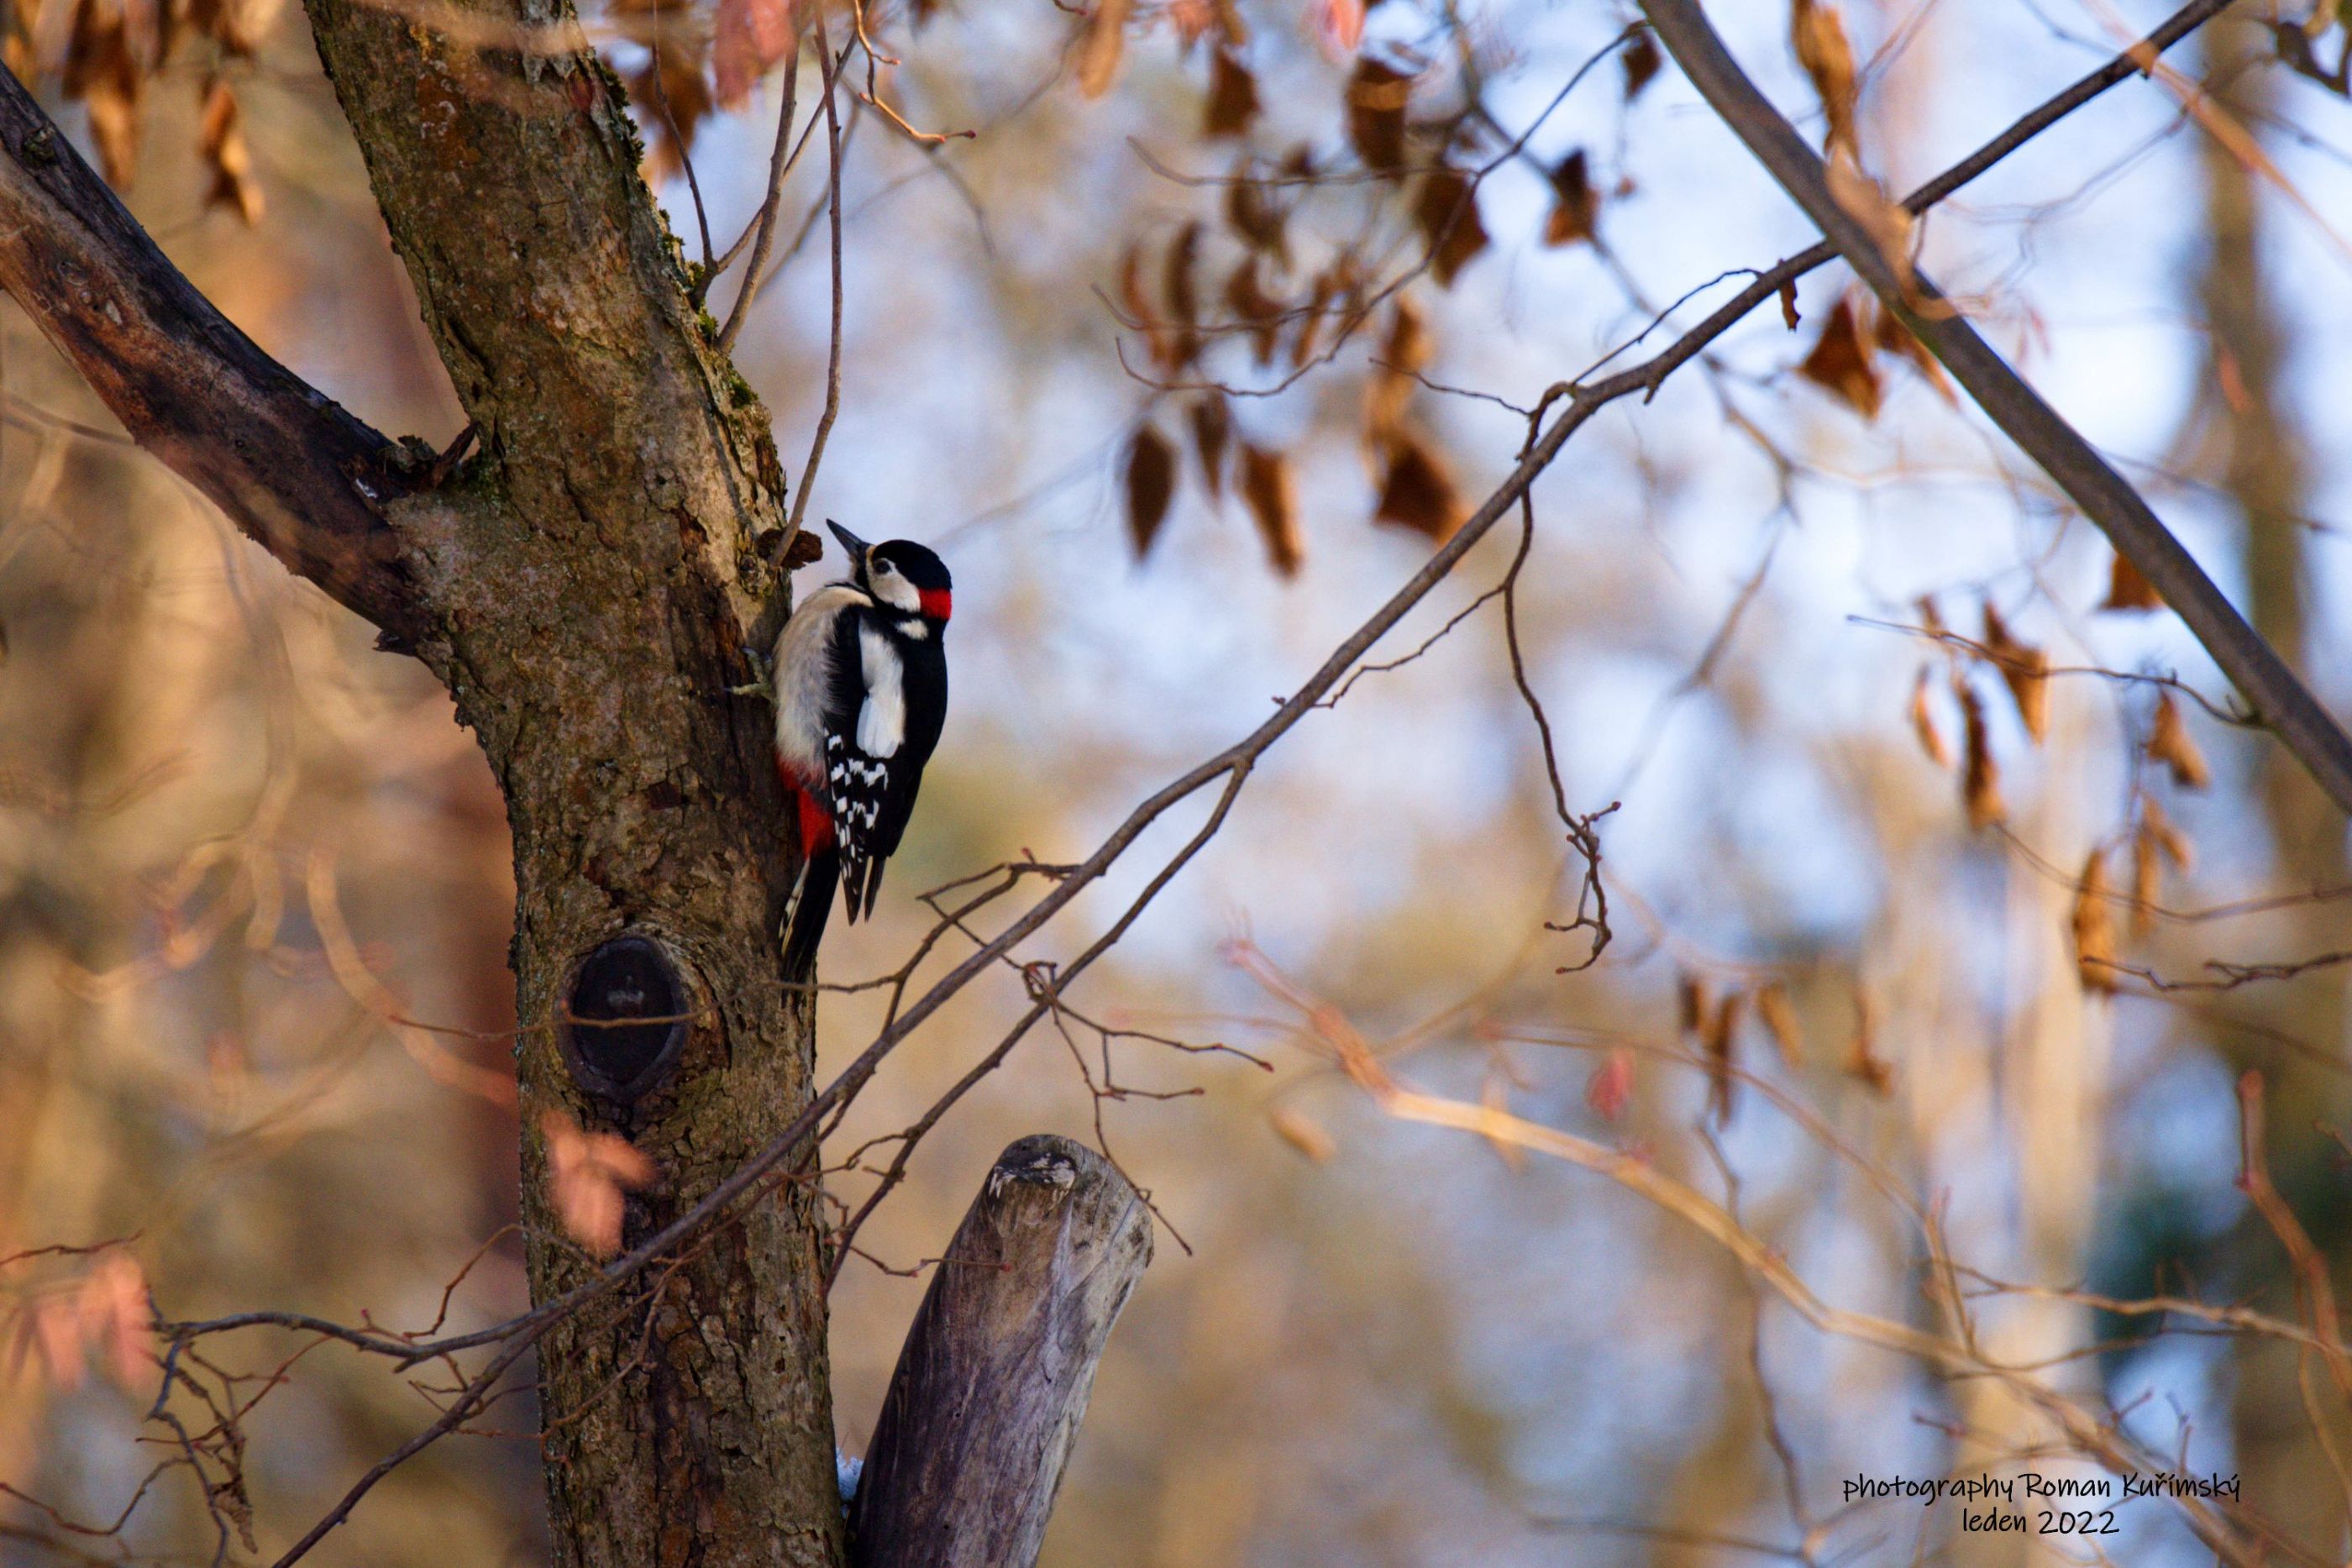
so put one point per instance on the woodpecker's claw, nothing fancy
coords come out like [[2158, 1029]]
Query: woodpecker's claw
[[763, 685]]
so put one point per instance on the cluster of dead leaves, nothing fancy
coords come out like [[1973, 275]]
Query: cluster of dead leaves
[[2023, 671], [1845, 357], [106, 1313], [697, 61], [2151, 843], [587, 1172], [105, 52]]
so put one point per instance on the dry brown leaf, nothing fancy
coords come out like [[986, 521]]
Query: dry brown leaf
[[1923, 724], [1319, 296], [673, 104], [1841, 363], [1150, 486], [2127, 589], [1403, 355], [107, 69], [1862, 1060], [2092, 922], [1342, 22], [1781, 1020], [1250, 303], [586, 1174], [2171, 743], [1894, 338], [1232, 96], [1980, 779], [1641, 61], [1789, 317], [1376, 100], [1255, 218], [1692, 1001], [1720, 1039], [1176, 288], [1419, 493], [1212, 426], [1575, 205], [1448, 214], [2169, 836], [1161, 341], [1106, 40], [747, 38], [1303, 1133], [221, 139], [1889, 224], [1819, 36], [1271, 492], [2024, 669]]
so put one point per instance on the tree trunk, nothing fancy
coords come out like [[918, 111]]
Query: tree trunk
[[589, 598]]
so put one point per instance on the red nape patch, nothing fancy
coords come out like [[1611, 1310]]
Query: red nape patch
[[937, 601]]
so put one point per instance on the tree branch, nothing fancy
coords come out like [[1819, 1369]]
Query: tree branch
[[2285, 705], [288, 465]]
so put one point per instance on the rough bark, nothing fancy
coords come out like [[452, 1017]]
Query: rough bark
[[993, 1378], [588, 609]]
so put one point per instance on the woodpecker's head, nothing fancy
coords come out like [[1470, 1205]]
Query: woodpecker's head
[[899, 573]]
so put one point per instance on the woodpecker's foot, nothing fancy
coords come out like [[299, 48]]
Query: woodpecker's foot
[[762, 686]]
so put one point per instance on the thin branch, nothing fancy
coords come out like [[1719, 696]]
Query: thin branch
[[832, 201], [779, 164]]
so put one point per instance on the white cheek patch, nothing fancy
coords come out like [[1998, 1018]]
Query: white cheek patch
[[882, 721], [895, 591]]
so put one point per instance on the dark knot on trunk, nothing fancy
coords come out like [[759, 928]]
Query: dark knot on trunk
[[625, 1019]]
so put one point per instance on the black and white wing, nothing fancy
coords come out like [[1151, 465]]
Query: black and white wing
[[881, 725]]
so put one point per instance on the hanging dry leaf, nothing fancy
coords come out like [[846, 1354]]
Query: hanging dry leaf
[[1176, 289], [1692, 1000], [671, 104], [1889, 224], [108, 71], [2024, 669], [1980, 780], [1818, 35], [1157, 339], [1418, 492], [1575, 205], [1862, 1060], [2169, 836], [2093, 925], [1611, 1087], [2127, 589], [1303, 1133], [1448, 214], [1232, 96], [1256, 217], [1342, 23], [1376, 100], [1719, 1039], [1105, 41], [2171, 744], [1270, 491], [1841, 363], [1150, 486], [1781, 1021], [1789, 317], [586, 1174], [220, 138], [1250, 304], [1894, 338], [1923, 724], [747, 38], [1390, 386], [1641, 61], [1213, 426], [1319, 296]]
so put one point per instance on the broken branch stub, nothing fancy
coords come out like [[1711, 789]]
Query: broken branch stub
[[992, 1382]]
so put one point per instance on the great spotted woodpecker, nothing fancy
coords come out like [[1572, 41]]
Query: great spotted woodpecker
[[861, 689]]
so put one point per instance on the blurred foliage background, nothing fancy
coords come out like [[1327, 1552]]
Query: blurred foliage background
[[254, 893]]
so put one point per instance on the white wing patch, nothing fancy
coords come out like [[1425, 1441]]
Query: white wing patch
[[882, 721]]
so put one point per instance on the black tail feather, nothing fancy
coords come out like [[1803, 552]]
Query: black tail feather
[[873, 886], [809, 911]]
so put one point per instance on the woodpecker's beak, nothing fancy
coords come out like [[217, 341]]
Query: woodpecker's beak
[[855, 546]]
